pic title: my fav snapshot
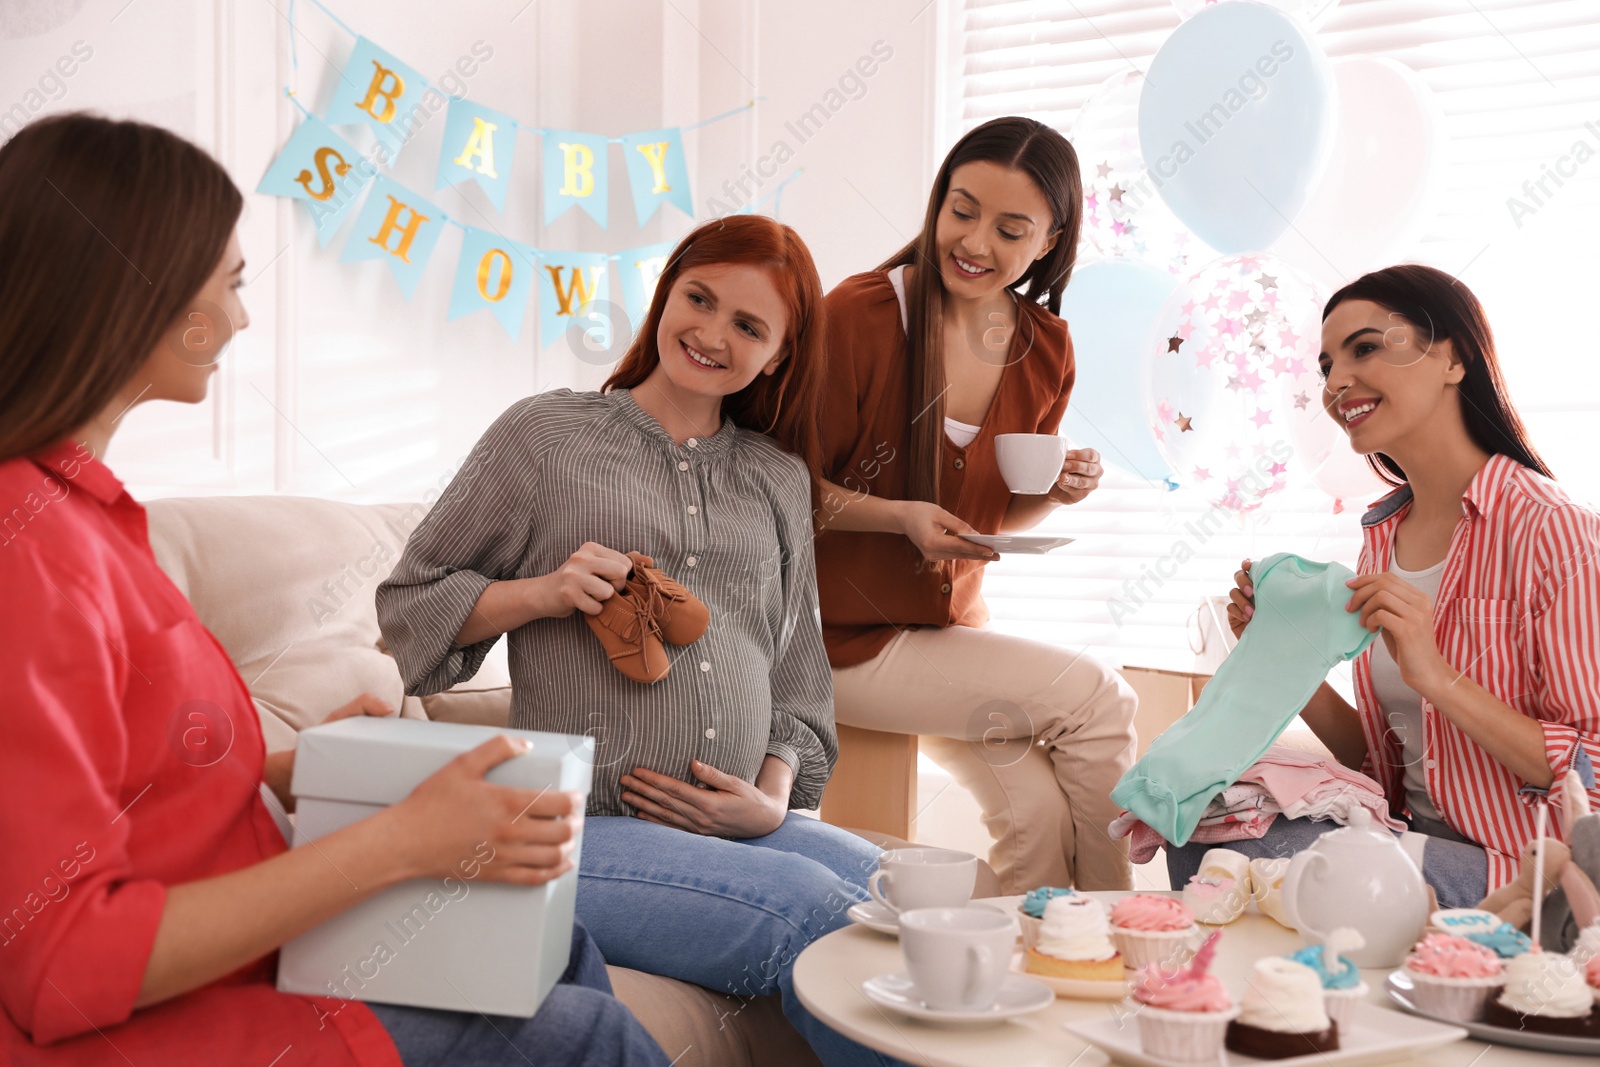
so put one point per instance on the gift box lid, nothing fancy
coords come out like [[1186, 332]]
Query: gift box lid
[[379, 760]]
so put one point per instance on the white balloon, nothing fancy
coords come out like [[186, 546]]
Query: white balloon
[[1379, 188]]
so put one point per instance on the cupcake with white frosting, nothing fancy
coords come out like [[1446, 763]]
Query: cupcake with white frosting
[[1075, 942], [1282, 1014], [1030, 913], [1545, 992], [1342, 987]]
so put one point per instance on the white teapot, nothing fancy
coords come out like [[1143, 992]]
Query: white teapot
[[1359, 877]]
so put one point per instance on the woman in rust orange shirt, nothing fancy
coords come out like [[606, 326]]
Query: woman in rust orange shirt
[[930, 357]]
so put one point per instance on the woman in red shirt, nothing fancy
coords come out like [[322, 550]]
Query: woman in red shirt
[[951, 342], [1482, 576], [146, 887]]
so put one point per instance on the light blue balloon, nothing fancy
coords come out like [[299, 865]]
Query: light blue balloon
[[1236, 123], [1110, 307]]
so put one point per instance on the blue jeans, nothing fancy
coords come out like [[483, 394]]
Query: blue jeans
[[580, 1024], [1458, 871], [729, 915]]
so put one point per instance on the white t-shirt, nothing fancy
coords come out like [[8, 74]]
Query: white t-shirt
[[1402, 705], [961, 434]]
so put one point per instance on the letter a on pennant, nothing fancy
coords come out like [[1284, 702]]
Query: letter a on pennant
[[478, 144]]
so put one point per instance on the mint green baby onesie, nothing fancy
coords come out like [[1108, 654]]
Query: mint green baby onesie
[[1299, 632]]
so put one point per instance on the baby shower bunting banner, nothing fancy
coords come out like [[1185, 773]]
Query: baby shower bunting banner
[[570, 285], [494, 273], [657, 171], [398, 226], [575, 173], [637, 271], [478, 146], [322, 168], [378, 91]]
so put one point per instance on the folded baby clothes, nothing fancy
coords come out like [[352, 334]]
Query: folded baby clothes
[[1304, 786], [1144, 843], [1299, 632]]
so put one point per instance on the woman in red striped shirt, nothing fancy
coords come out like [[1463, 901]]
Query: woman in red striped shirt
[[1480, 574]]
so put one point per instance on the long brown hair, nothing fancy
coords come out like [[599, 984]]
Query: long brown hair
[[1441, 308], [785, 404], [108, 230], [1046, 157]]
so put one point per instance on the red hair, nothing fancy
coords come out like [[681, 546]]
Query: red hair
[[786, 403]]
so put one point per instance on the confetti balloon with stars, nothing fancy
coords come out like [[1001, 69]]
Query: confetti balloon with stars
[[1212, 371], [1123, 213]]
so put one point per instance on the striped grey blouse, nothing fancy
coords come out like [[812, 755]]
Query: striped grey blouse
[[729, 516]]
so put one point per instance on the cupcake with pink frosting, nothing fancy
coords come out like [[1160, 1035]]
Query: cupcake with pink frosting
[[1452, 977], [1183, 1014], [1152, 929]]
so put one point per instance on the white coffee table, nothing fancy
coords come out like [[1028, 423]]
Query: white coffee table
[[828, 977]]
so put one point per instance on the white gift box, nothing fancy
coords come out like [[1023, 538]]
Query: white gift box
[[460, 943]]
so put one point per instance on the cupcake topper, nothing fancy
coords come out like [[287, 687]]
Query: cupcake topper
[[1203, 957], [1339, 941], [1540, 821]]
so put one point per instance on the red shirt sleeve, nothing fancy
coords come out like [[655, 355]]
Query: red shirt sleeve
[[79, 922]]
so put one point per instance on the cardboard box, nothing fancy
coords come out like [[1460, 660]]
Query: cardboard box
[[459, 943]]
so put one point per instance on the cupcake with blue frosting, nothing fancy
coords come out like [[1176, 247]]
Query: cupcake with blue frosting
[[1342, 987], [1030, 913]]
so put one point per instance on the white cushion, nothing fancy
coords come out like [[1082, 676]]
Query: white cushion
[[286, 584]]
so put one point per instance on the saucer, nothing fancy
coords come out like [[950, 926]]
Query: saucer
[[874, 916], [1026, 544], [1017, 996]]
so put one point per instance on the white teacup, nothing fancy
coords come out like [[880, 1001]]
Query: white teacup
[[909, 878], [1030, 462], [957, 957]]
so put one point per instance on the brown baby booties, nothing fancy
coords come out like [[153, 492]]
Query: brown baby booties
[[681, 616], [649, 610]]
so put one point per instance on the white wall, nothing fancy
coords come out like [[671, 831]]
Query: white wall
[[339, 387]]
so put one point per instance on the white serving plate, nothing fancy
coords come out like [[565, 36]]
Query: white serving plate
[[1399, 989], [1379, 1036]]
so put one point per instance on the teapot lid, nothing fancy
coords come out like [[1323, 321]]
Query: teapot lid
[[1360, 829]]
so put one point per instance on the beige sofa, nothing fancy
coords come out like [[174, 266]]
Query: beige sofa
[[286, 584]]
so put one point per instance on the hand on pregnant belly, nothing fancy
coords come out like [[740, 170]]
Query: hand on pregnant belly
[[726, 807]]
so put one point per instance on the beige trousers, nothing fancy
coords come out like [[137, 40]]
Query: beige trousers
[[1038, 735]]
